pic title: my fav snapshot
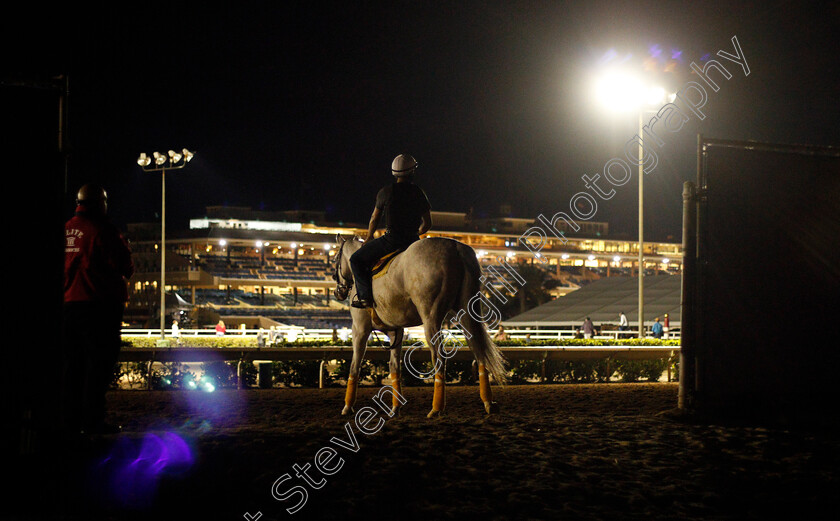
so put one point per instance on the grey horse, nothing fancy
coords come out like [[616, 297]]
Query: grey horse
[[431, 278]]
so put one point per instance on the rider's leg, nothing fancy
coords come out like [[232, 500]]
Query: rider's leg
[[363, 260]]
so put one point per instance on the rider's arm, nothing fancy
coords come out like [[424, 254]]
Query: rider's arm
[[426, 225], [374, 223]]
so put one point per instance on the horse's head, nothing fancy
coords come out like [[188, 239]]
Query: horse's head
[[342, 273]]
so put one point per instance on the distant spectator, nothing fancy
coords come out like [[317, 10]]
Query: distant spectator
[[176, 332], [657, 328], [220, 328], [528, 335], [666, 326], [623, 324], [588, 328], [261, 338], [500, 334], [334, 336]]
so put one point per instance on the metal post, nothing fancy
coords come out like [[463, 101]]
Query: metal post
[[542, 366], [162, 253], [149, 366], [687, 388], [641, 228]]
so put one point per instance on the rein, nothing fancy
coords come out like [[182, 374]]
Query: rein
[[341, 287]]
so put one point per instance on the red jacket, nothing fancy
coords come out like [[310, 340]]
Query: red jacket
[[97, 260]]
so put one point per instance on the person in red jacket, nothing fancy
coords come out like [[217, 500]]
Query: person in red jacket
[[97, 266]]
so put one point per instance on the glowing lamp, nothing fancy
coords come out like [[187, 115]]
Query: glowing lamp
[[144, 160]]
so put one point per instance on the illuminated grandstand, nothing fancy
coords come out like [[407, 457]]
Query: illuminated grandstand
[[240, 262]]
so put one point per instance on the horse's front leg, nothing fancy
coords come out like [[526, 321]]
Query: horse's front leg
[[395, 370], [361, 332]]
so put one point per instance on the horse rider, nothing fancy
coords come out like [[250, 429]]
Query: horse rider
[[407, 214]]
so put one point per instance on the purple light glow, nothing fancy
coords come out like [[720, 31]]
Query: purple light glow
[[133, 469], [655, 50]]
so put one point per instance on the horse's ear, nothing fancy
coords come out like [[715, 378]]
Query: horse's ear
[[339, 239]]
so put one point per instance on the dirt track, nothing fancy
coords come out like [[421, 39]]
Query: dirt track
[[599, 451]]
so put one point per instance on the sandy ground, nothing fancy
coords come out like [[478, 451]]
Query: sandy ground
[[603, 451]]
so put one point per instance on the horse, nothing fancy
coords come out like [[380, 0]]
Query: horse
[[431, 278]]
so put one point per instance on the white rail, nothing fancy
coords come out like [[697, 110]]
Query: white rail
[[299, 333]]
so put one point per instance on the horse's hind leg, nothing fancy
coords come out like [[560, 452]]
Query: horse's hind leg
[[394, 370], [432, 328], [484, 390]]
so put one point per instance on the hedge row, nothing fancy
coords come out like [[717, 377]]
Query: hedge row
[[305, 373]]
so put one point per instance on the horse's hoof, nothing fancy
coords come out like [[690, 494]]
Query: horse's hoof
[[491, 407], [434, 414], [395, 412], [347, 410]]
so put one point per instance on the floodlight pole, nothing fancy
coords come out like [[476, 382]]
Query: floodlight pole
[[173, 162], [162, 253], [641, 226]]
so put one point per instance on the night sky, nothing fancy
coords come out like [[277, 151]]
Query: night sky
[[290, 106]]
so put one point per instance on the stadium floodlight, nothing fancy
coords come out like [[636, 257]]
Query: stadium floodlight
[[162, 163], [621, 91], [144, 160], [616, 259], [655, 95]]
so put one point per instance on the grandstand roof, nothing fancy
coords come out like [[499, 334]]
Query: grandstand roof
[[603, 300]]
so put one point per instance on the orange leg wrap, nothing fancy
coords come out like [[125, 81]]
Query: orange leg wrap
[[395, 383], [350, 395], [484, 385], [439, 400]]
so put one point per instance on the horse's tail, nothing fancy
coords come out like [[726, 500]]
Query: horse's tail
[[485, 350]]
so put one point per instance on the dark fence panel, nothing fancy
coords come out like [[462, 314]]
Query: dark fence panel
[[767, 277]]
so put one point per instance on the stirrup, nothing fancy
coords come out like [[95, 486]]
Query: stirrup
[[361, 303]]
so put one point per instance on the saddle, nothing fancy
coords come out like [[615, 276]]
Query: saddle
[[381, 266]]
